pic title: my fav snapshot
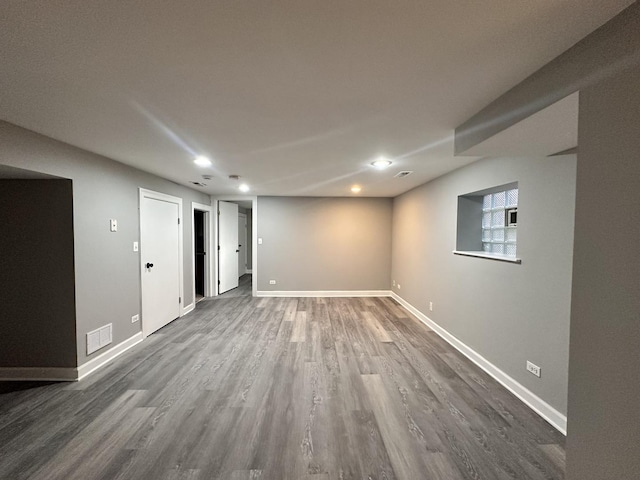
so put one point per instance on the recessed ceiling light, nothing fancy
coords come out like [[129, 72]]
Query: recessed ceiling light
[[202, 161], [381, 163], [243, 187], [356, 189]]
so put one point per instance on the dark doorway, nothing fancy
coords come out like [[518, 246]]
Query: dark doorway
[[199, 240]]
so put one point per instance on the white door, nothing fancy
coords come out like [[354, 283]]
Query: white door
[[227, 246], [242, 244], [160, 257]]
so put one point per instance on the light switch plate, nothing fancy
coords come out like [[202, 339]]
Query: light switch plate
[[113, 225], [135, 246]]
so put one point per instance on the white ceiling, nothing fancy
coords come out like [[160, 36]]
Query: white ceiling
[[297, 97]]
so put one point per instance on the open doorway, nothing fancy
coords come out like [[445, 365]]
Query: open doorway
[[242, 255], [202, 252]]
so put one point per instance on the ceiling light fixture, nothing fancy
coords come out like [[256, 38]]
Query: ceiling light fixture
[[356, 189], [202, 161], [243, 187], [381, 163]]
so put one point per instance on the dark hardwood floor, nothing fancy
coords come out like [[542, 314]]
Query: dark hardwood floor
[[279, 388]]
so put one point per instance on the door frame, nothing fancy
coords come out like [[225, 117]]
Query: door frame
[[244, 241], [254, 238], [163, 197], [208, 264]]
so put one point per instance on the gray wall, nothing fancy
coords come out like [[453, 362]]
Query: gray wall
[[107, 271], [604, 388], [506, 312], [604, 425], [324, 243], [37, 325]]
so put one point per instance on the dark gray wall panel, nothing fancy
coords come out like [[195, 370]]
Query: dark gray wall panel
[[38, 319]]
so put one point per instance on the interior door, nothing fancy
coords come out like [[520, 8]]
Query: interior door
[[227, 246], [242, 244], [159, 254]]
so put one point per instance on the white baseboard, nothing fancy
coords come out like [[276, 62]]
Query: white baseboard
[[39, 374], [101, 360], [188, 308], [538, 405], [324, 293]]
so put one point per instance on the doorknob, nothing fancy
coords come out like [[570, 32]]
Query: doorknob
[[149, 265]]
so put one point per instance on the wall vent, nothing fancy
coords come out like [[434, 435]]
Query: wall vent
[[99, 338], [403, 173]]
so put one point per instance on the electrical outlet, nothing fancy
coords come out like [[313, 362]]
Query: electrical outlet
[[135, 318], [393, 282], [260, 241], [431, 306], [272, 282], [533, 369], [399, 287]]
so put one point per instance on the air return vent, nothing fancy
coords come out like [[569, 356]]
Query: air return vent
[[404, 173], [99, 338]]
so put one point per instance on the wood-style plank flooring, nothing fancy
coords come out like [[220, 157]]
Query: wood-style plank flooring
[[279, 388], [242, 290]]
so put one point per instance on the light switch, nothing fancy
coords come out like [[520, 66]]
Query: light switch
[[135, 246], [113, 225], [260, 241]]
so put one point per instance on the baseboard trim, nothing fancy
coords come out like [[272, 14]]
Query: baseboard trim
[[188, 308], [38, 374], [538, 405], [324, 293], [101, 360]]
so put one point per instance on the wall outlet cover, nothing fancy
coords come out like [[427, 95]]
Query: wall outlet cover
[[534, 369]]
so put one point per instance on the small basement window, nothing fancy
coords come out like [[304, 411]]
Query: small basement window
[[488, 223]]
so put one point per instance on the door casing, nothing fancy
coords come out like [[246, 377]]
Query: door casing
[[254, 237], [209, 291], [157, 196]]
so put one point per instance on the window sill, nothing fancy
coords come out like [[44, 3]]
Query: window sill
[[489, 256]]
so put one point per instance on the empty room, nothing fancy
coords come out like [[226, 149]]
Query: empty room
[[319, 240]]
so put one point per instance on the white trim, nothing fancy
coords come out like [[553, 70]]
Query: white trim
[[208, 271], [254, 238], [102, 359], [324, 293], [248, 270], [538, 405], [144, 193], [56, 374], [40, 374], [488, 255], [189, 308], [243, 241]]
